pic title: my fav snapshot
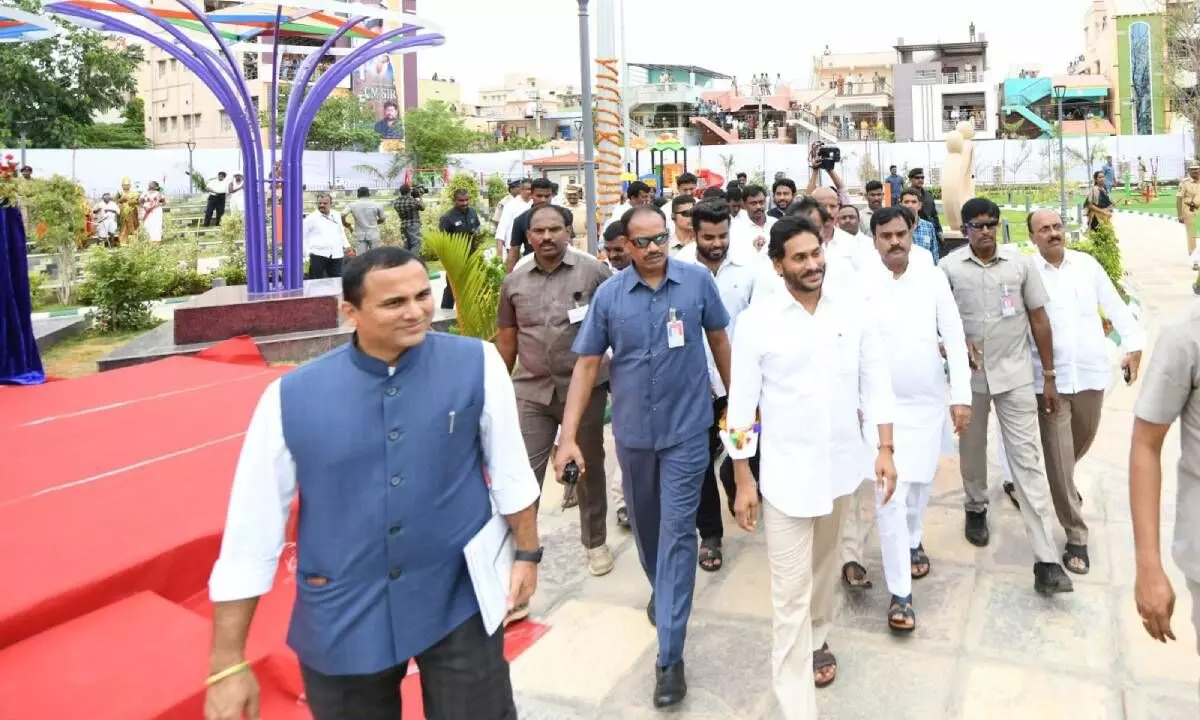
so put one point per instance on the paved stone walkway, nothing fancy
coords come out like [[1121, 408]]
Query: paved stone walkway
[[987, 646]]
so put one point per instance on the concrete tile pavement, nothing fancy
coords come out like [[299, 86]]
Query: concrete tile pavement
[[987, 646]]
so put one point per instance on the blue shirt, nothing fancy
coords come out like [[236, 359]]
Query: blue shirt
[[896, 183], [661, 395], [1110, 177], [925, 236]]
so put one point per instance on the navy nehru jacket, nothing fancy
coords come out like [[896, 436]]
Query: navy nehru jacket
[[661, 395]]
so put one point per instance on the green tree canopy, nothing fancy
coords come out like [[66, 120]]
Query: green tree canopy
[[435, 132], [343, 122], [53, 88], [129, 134]]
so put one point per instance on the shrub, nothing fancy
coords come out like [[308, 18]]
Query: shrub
[[1102, 245], [233, 249], [497, 190], [121, 282], [460, 181], [37, 289], [56, 218]]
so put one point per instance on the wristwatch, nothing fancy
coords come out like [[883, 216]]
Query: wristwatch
[[526, 556], [1050, 373]]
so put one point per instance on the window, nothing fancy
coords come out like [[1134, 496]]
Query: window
[[187, 122], [174, 123], [174, 65], [226, 123], [162, 125], [196, 121], [162, 68]]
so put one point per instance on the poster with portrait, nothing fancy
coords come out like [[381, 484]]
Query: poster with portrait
[[374, 83]]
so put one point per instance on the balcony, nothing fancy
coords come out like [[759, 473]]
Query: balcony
[[962, 77], [663, 94], [949, 124]]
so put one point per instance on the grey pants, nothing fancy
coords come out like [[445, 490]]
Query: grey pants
[[662, 492], [1016, 411], [365, 243]]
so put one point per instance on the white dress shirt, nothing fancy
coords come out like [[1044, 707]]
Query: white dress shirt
[[809, 375], [324, 235], [743, 232], [735, 281], [859, 250], [264, 483], [1079, 289], [509, 215]]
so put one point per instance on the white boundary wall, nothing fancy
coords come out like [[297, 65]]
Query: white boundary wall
[[996, 162]]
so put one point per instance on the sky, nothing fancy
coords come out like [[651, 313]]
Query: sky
[[486, 39]]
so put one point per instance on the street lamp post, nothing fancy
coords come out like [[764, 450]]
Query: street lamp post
[[191, 145], [589, 139], [1087, 142], [1060, 91]]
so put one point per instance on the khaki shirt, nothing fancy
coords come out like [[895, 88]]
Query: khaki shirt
[[980, 290], [1168, 393], [579, 217], [1188, 198], [539, 305]]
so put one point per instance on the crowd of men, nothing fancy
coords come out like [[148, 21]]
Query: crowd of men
[[811, 358]]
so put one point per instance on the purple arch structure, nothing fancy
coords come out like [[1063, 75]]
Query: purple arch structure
[[269, 267]]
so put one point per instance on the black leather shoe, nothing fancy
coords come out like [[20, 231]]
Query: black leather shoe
[[977, 528], [650, 610], [671, 686], [1050, 578]]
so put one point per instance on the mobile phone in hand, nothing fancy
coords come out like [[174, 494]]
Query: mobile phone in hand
[[1127, 373]]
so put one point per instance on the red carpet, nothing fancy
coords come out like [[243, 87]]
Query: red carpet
[[113, 492]]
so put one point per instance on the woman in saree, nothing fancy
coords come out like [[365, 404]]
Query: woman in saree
[[152, 211]]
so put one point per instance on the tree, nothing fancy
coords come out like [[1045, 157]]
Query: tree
[[343, 122], [51, 89], [56, 218], [1181, 67], [433, 132], [128, 134]]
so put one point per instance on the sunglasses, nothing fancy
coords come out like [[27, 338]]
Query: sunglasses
[[644, 242], [988, 225], [684, 213]]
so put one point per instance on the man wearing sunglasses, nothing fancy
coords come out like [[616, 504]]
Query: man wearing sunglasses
[[1002, 300], [681, 227], [655, 317]]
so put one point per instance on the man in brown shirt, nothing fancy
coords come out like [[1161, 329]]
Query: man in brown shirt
[[1169, 393], [542, 304], [1002, 300]]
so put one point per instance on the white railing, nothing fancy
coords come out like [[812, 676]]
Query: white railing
[[959, 78], [949, 123]]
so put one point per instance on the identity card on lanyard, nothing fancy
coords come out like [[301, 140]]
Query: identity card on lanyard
[[674, 330], [1007, 307]]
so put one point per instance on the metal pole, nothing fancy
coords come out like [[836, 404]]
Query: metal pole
[[1087, 141], [23, 163], [589, 135], [762, 130], [625, 131], [1062, 175]]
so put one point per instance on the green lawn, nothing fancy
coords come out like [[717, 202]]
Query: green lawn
[[1017, 230], [1163, 203]]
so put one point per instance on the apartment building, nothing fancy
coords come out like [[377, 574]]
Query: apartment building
[[938, 85], [529, 106]]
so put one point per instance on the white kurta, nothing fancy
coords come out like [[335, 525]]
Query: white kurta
[[916, 311]]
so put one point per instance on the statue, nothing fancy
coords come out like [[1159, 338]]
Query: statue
[[958, 179]]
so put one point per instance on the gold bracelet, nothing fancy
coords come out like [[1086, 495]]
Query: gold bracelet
[[227, 672]]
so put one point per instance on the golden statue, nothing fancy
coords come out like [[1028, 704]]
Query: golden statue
[[129, 200]]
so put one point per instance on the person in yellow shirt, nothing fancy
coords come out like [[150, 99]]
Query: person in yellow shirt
[[1186, 204]]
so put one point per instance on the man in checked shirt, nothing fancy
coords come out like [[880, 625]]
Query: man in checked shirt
[[408, 206]]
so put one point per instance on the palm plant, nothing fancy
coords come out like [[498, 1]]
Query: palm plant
[[474, 279], [395, 170]]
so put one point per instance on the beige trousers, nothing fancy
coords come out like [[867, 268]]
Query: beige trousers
[[1066, 437], [803, 557], [860, 517]]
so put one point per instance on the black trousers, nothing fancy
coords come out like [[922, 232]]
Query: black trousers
[[463, 677], [708, 515], [323, 267], [214, 209]]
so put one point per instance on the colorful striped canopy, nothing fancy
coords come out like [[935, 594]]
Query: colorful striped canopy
[[20, 26]]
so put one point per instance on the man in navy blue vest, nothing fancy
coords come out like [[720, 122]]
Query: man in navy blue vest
[[655, 318], [399, 444]]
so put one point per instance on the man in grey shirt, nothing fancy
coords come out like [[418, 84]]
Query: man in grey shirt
[[1168, 394], [368, 215], [1002, 300]]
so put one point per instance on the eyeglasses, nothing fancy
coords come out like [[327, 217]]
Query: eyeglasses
[[684, 213], [988, 225], [644, 242]]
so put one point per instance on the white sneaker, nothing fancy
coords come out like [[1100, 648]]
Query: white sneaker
[[600, 561]]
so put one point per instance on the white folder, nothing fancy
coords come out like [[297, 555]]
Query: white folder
[[490, 556]]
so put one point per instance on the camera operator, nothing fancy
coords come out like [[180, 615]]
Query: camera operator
[[408, 206]]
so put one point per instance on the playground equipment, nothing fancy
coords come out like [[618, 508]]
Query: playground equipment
[[609, 137], [661, 172], [211, 44]]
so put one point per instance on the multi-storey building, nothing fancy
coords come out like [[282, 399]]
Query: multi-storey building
[[938, 85], [665, 98], [529, 106], [850, 97]]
